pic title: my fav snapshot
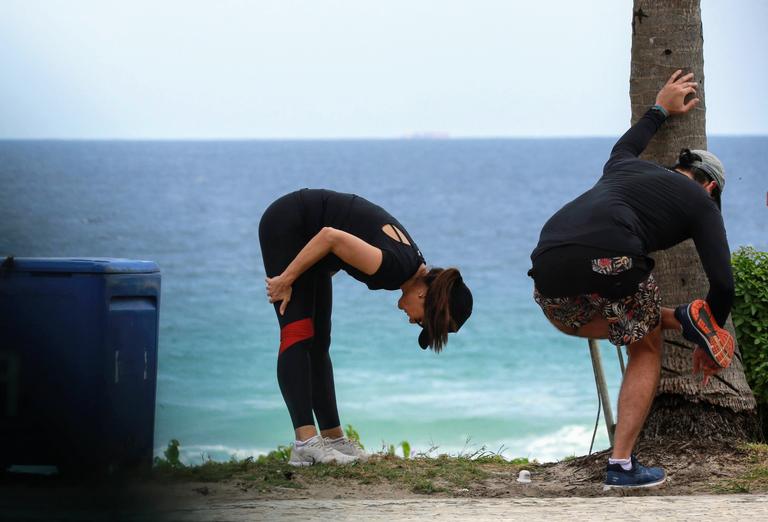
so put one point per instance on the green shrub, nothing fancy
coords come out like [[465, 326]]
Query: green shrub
[[750, 316], [171, 460]]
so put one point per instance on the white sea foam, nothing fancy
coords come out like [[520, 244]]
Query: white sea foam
[[273, 402], [568, 440], [564, 442]]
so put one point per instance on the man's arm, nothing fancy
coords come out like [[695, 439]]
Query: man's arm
[[669, 101], [636, 139], [714, 253]]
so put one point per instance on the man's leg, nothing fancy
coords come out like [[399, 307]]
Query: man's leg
[[637, 391], [639, 385], [636, 321], [577, 315], [668, 320], [597, 327]]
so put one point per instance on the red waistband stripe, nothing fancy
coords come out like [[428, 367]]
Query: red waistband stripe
[[295, 332]]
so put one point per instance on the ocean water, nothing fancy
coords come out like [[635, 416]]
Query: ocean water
[[508, 381]]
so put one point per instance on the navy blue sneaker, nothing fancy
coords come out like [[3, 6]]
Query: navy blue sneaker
[[637, 477]]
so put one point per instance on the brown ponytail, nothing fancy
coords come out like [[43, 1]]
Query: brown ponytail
[[437, 315]]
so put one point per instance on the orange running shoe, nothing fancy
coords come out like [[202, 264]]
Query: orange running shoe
[[700, 327]]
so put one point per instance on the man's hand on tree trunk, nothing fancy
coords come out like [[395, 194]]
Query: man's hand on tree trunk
[[672, 95]]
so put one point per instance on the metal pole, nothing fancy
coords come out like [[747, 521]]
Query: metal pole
[[621, 360], [605, 398]]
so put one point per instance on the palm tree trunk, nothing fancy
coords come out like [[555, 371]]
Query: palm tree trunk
[[666, 36]]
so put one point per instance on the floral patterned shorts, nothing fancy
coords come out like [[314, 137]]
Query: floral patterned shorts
[[631, 317]]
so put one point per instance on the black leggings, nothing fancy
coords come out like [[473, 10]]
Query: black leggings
[[304, 369]]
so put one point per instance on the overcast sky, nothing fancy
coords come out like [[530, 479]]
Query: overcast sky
[[356, 68]]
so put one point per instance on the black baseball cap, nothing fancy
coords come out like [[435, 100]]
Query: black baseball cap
[[460, 309]]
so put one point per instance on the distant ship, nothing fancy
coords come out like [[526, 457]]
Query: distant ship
[[430, 135]]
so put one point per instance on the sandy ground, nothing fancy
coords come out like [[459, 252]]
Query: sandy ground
[[695, 507], [732, 507]]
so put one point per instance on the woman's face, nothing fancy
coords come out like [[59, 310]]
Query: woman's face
[[412, 302]]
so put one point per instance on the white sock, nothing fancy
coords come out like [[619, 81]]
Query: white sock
[[336, 440], [626, 464], [299, 443]]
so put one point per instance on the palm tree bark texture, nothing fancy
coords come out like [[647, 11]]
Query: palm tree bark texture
[[666, 36]]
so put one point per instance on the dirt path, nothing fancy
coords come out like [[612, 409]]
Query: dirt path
[[750, 507], [705, 507]]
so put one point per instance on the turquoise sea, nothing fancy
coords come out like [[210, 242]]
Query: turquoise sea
[[507, 381]]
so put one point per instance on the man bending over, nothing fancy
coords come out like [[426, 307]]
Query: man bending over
[[592, 271]]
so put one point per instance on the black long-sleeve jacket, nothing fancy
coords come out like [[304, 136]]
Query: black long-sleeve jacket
[[638, 207]]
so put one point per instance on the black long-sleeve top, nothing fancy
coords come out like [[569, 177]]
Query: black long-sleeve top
[[638, 207], [359, 217]]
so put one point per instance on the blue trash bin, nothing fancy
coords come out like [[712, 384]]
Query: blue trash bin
[[78, 362]]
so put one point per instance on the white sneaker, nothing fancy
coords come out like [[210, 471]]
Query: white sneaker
[[315, 451], [348, 447]]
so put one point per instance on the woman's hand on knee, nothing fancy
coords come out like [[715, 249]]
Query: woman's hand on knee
[[279, 290]]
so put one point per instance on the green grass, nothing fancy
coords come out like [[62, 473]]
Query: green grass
[[419, 474], [755, 478]]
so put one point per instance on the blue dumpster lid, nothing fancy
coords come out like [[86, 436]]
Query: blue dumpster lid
[[90, 265]]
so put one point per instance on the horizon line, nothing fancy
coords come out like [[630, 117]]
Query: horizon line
[[363, 138]]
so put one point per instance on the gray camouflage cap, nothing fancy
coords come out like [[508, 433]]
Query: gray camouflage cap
[[711, 165]]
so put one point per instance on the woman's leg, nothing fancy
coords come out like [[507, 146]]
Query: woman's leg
[[294, 366], [323, 389], [281, 237]]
